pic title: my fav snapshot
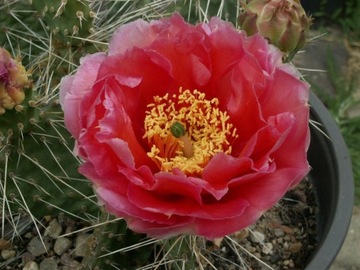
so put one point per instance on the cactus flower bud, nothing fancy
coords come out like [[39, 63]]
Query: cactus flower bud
[[13, 80], [283, 22]]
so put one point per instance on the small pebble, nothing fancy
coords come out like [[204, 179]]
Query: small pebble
[[295, 247], [217, 241], [7, 254], [31, 266], [4, 244], [275, 257], [27, 257], [286, 262], [48, 264], [84, 244], [257, 237], [69, 263], [70, 227], [62, 218], [278, 232], [257, 255], [287, 229], [54, 229], [251, 249], [242, 234], [28, 235], [267, 248], [61, 245], [36, 247]]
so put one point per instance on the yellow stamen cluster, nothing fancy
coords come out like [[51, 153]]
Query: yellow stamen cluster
[[207, 127]]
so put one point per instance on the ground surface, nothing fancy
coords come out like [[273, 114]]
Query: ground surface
[[348, 258]]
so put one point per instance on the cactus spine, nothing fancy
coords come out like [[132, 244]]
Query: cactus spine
[[38, 171], [37, 166]]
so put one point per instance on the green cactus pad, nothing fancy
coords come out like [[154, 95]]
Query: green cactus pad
[[116, 247], [38, 170], [67, 19]]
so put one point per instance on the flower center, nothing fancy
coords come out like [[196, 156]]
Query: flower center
[[186, 130]]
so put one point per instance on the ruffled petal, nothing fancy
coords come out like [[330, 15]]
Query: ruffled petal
[[106, 101], [74, 87]]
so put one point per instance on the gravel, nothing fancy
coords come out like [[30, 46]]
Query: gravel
[[284, 238]]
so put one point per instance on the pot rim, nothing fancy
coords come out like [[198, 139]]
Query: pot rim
[[336, 200]]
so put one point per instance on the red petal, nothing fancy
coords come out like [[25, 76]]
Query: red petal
[[74, 87], [121, 206]]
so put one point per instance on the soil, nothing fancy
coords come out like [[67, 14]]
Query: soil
[[283, 238]]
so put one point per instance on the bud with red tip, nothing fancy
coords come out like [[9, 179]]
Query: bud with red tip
[[13, 80]]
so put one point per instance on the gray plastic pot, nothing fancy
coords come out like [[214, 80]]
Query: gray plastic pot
[[334, 185]]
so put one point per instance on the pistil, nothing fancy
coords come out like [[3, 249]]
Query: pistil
[[178, 131]]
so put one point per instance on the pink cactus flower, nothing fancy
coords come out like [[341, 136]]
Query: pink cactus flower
[[188, 129]]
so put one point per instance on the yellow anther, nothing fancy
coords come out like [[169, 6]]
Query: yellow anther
[[208, 131]]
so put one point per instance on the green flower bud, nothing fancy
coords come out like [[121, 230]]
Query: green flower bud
[[283, 22]]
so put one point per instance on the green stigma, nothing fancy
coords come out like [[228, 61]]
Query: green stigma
[[177, 130]]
